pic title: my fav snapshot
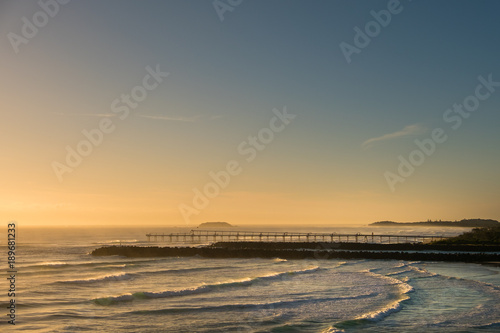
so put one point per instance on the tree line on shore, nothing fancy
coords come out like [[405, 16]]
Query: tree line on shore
[[466, 223], [477, 236]]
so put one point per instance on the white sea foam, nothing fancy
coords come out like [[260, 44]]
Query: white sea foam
[[405, 279], [395, 306], [378, 315], [49, 264], [62, 264], [279, 260], [178, 271], [119, 241], [399, 272], [423, 271], [114, 266], [403, 287], [110, 277], [495, 325], [332, 329]]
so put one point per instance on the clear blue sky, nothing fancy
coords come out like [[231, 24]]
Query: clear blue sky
[[329, 165]]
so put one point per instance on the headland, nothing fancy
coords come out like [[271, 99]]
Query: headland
[[465, 223]]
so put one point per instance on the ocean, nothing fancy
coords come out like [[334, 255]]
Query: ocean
[[61, 288]]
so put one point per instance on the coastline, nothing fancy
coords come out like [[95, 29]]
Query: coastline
[[465, 223]]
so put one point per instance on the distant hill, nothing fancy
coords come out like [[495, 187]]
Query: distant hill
[[215, 225], [466, 223]]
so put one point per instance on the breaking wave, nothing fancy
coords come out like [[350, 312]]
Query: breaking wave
[[205, 288]]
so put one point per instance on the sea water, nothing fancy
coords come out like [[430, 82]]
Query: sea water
[[61, 288]]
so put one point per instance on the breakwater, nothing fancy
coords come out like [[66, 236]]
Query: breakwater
[[311, 251], [357, 246]]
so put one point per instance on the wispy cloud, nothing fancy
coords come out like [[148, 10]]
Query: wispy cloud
[[414, 129], [105, 115], [170, 118]]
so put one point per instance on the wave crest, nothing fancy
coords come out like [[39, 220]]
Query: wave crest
[[111, 277], [205, 288]]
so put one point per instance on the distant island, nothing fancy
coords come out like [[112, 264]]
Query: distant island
[[465, 223], [215, 225]]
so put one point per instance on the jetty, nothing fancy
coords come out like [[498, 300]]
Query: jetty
[[199, 236]]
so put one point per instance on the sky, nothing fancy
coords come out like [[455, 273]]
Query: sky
[[280, 112]]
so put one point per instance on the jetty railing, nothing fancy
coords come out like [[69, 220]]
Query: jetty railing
[[212, 235]]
